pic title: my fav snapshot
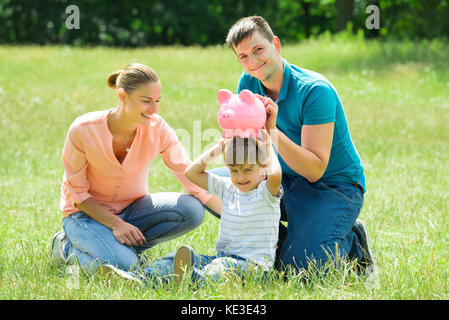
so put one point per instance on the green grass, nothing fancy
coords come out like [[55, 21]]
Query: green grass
[[396, 98]]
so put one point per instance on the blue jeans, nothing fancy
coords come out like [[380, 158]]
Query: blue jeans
[[160, 217], [320, 218], [205, 268]]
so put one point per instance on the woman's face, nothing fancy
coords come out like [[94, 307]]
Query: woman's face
[[141, 103]]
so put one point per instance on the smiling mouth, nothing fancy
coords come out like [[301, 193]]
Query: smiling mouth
[[147, 116], [243, 184], [259, 66]]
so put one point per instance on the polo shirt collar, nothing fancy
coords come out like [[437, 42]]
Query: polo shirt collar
[[285, 81]]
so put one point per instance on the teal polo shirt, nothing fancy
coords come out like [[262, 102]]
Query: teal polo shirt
[[308, 98]]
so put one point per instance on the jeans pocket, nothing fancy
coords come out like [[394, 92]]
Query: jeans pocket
[[339, 190]]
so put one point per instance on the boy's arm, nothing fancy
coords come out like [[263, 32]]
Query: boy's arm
[[196, 171], [274, 171]]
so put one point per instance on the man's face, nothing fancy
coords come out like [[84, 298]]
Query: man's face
[[258, 56]]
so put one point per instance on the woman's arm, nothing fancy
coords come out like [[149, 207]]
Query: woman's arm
[[124, 232], [177, 160], [215, 204]]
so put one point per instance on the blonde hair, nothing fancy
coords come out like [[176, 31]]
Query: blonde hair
[[131, 77]]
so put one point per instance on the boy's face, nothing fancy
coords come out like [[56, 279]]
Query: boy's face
[[258, 56], [246, 177]]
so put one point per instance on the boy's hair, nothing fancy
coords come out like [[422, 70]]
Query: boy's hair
[[245, 27], [241, 151]]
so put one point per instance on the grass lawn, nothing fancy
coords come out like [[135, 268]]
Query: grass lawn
[[396, 98]]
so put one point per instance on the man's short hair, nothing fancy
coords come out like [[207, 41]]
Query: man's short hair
[[245, 27], [241, 151]]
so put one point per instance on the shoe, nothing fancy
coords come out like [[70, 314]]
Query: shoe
[[183, 262], [366, 262], [57, 248], [108, 268]]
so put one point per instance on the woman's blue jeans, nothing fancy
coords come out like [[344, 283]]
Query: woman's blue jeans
[[160, 217], [320, 218]]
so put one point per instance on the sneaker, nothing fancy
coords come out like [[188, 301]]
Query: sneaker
[[366, 262], [57, 248], [183, 262], [108, 268]]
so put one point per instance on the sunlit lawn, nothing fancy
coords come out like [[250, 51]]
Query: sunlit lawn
[[396, 98]]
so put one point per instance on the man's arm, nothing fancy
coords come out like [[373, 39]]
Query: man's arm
[[311, 159]]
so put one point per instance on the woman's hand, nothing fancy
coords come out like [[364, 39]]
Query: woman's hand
[[127, 234], [272, 112]]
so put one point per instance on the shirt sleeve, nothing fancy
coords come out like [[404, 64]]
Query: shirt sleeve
[[320, 105], [218, 185], [242, 83], [267, 194], [75, 184], [177, 160]]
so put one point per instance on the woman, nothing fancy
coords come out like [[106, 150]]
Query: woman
[[108, 216]]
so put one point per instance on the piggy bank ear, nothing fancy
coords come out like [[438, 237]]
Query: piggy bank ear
[[223, 95], [247, 96]]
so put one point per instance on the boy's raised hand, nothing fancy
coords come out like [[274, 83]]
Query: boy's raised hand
[[223, 142]]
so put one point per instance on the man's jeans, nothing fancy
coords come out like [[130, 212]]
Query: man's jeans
[[320, 218], [160, 217]]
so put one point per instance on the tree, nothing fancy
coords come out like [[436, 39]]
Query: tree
[[344, 13]]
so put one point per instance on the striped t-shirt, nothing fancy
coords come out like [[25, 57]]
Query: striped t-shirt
[[249, 223]]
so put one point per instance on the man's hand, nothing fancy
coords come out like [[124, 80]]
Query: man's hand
[[272, 112]]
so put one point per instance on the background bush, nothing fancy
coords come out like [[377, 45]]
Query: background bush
[[206, 22]]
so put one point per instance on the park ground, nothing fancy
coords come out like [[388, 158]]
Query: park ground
[[396, 99]]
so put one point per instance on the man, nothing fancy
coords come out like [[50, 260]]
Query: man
[[323, 176]]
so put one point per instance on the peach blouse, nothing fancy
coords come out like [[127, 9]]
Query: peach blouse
[[92, 170]]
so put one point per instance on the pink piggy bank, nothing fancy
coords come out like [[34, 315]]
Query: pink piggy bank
[[243, 114]]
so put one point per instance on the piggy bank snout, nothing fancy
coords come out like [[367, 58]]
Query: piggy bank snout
[[227, 114]]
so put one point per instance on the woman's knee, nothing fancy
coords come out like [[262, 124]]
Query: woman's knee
[[192, 210], [97, 244]]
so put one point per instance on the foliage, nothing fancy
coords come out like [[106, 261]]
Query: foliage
[[205, 22]]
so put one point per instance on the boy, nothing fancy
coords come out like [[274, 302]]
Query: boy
[[250, 214]]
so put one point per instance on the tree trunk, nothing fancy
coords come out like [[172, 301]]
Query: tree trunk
[[344, 13]]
